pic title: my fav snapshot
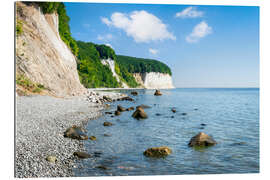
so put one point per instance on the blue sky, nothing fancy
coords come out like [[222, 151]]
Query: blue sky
[[205, 46]]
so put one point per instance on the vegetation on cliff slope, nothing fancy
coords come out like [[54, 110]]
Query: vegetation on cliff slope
[[28, 85], [63, 25], [19, 29], [125, 76], [91, 71], [141, 65]]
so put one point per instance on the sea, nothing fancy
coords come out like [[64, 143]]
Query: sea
[[229, 115]]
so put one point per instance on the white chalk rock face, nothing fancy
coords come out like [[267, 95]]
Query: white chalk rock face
[[154, 80], [109, 62], [42, 56]]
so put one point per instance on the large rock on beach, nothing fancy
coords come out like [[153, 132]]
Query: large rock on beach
[[158, 93], [201, 139], [75, 132], [158, 152], [51, 159], [139, 114]]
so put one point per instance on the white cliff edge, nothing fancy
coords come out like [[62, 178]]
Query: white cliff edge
[[154, 80], [42, 56]]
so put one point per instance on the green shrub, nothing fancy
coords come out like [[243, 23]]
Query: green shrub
[[28, 84], [48, 7], [19, 29], [36, 90]]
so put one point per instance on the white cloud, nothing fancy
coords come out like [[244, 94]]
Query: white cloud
[[140, 25], [199, 31], [107, 44], [86, 25], [190, 12], [105, 37], [106, 21], [153, 51]]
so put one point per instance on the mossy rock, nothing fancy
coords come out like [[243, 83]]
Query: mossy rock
[[158, 152], [93, 138]]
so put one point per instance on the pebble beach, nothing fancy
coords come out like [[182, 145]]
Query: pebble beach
[[39, 127]]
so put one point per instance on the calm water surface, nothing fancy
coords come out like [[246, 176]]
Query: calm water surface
[[231, 117]]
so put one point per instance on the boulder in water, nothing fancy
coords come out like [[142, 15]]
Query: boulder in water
[[107, 124], [93, 138], [117, 113], [158, 93], [125, 99], [139, 114], [120, 108], [107, 98], [130, 109], [201, 139], [107, 135], [134, 93], [75, 132], [143, 106], [82, 155], [102, 167], [158, 152]]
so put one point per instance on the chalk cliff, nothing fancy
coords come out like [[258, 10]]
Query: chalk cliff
[[42, 56], [110, 62], [154, 80]]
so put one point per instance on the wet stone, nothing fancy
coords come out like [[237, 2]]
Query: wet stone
[[158, 152], [75, 132], [201, 139], [82, 155], [107, 124], [93, 138]]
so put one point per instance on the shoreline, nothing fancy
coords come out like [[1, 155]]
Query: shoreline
[[39, 127]]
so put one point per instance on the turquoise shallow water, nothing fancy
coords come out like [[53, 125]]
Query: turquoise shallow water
[[231, 117]]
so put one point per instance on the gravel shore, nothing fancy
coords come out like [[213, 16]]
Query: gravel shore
[[40, 125]]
